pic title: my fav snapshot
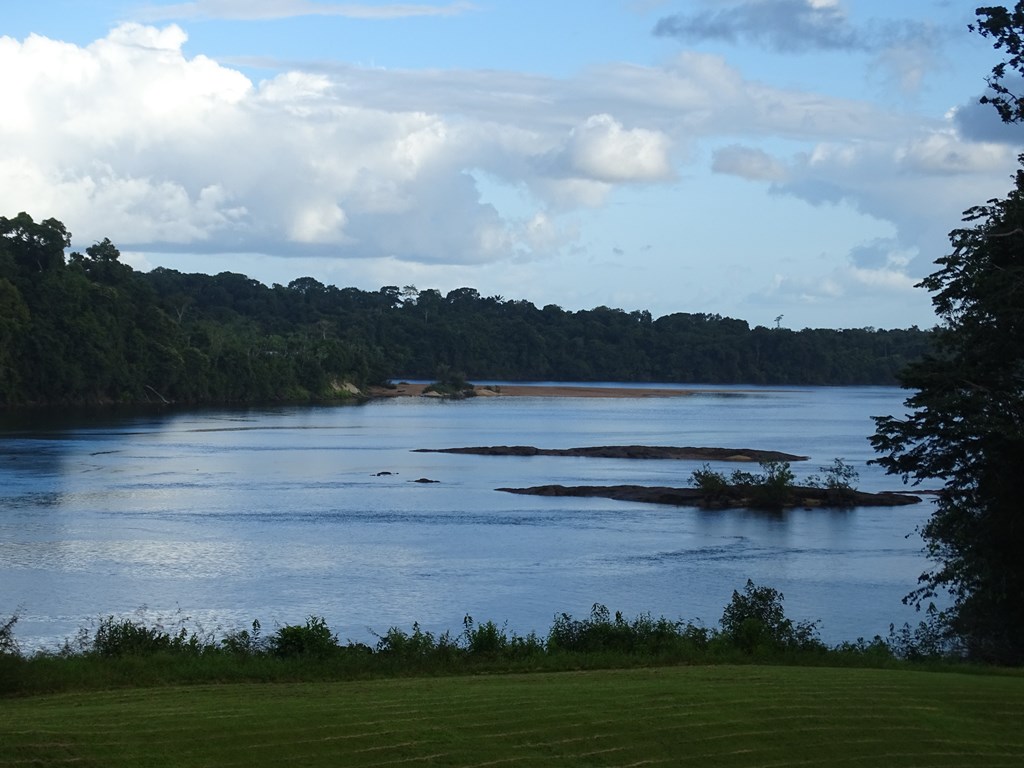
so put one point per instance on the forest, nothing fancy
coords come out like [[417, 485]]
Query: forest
[[89, 329]]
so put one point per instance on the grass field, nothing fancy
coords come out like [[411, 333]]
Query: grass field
[[702, 716]]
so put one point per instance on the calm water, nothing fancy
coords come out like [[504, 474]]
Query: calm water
[[277, 514]]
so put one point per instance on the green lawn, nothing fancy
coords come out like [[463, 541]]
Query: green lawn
[[702, 716]]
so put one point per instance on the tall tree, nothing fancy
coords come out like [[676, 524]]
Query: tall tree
[[1004, 27], [966, 420]]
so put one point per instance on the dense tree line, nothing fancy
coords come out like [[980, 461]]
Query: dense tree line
[[508, 339], [89, 328]]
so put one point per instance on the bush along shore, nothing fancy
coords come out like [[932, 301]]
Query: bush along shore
[[123, 652]]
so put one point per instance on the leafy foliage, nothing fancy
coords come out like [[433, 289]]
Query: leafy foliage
[[600, 633], [966, 420], [1003, 25], [714, 485], [450, 383], [8, 645], [966, 428], [490, 641], [753, 627], [130, 637], [244, 643], [90, 329], [755, 619], [839, 480], [416, 646], [929, 640], [772, 488], [314, 638]]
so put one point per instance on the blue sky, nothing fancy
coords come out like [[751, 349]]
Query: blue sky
[[751, 158]]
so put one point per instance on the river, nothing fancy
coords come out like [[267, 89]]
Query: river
[[222, 516]]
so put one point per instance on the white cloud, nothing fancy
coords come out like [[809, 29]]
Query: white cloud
[[130, 138], [318, 223], [281, 9], [895, 182], [844, 293], [945, 153], [602, 149]]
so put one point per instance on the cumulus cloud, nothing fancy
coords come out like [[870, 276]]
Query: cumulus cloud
[[945, 153], [602, 149], [281, 9], [130, 138], [922, 212]]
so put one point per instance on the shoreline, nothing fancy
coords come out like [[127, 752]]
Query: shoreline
[[545, 390]]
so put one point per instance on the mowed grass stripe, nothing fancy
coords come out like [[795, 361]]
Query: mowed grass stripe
[[750, 716]]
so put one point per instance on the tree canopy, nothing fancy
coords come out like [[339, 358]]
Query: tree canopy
[[966, 423], [90, 329]]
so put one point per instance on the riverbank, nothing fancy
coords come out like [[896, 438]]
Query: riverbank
[[405, 389]]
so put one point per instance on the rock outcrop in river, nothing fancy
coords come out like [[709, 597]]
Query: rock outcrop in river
[[799, 496], [627, 452]]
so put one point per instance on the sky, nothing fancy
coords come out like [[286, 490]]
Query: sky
[[797, 163]]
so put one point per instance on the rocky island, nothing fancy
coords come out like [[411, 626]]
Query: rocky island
[[772, 490], [733, 498], [627, 452]]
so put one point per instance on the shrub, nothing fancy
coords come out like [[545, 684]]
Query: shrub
[[244, 643], [8, 645], [124, 637], [772, 489], [839, 482], [485, 639], [450, 383], [713, 485], [529, 646], [931, 640], [127, 637], [756, 619], [876, 650], [644, 636], [313, 639], [417, 646]]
